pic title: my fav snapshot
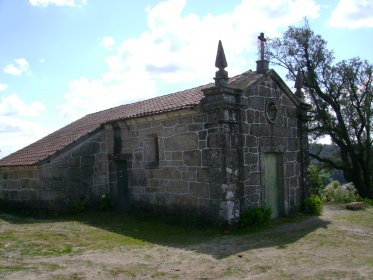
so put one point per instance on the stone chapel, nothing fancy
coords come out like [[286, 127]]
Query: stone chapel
[[216, 149]]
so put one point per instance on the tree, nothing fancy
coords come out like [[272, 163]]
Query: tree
[[341, 98]]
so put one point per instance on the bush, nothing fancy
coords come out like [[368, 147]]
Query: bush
[[255, 217], [315, 180], [76, 207], [313, 205], [105, 203], [334, 192]]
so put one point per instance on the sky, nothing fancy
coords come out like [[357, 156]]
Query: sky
[[63, 59]]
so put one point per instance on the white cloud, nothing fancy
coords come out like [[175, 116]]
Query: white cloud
[[180, 47], [352, 14], [21, 66], [108, 42], [46, 3], [12, 105], [3, 87], [16, 128]]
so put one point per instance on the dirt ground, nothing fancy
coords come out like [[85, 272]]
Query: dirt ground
[[336, 245]]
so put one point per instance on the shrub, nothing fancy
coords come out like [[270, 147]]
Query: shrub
[[334, 192], [76, 207], [255, 217], [105, 203], [315, 180], [313, 205]]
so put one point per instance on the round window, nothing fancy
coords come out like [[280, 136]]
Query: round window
[[271, 111]]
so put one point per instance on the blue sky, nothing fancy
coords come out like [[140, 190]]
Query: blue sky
[[63, 59]]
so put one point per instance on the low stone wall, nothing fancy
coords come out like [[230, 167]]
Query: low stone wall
[[78, 174]]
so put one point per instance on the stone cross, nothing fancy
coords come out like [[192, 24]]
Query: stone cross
[[262, 40]]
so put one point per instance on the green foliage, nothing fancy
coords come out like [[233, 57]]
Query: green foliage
[[367, 201], [334, 192], [76, 207], [315, 181], [255, 217], [313, 205], [105, 203], [340, 94]]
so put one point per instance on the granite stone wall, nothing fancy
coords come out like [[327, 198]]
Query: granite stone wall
[[78, 174], [166, 161], [270, 125]]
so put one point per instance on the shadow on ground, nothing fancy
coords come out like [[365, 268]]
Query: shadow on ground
[[211, 241]]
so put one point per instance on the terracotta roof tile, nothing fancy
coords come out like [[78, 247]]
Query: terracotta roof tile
[[58, 140]]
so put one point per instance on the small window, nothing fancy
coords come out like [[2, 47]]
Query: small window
[[151, 151]]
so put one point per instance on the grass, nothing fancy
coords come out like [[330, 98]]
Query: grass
[[316, 247]]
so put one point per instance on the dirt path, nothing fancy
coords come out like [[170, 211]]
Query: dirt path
[[337, 245]]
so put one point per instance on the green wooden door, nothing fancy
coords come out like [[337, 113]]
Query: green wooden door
[[271, 183]]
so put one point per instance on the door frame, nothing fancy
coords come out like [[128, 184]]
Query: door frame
[[282, 192], [122, 185]]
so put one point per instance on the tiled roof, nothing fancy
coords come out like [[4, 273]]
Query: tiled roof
[[58, 140]]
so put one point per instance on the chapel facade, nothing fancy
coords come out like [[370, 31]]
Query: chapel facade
[[216, 150]]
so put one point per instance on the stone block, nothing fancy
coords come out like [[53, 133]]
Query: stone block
[[13, 195], [260, 130], [71, 185], [199, 189], [88, 161], [169, 122], [87, 149], [200, 118], [254, 178], [28, 195], [195, 127], [11, 185], [216, 191], [184, 141], [203, 175], [293, 144], [169, 131], [52, 195], [154, 182], [251, 141], [139, 177], [211, 157], [192, 158], [217, 140], [202, 144], [181, 128], [101, 166], [189, 176], [202, 135], [251, 158], [185, 120], [74, 162], [183, 200], [74, 173], [177, 156], [256, 103], [54, 184], [176, 186], [171, 173]]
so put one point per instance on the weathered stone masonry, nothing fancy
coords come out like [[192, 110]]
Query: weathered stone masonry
[[79, 173], [214, 150]]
